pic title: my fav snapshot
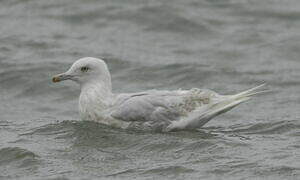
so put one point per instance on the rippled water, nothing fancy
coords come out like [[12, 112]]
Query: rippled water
[[224, 45]]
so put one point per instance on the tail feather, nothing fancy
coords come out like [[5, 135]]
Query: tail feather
[[200, 117], [251, 92]]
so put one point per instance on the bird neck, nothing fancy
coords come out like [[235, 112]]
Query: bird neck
[[95, 98], [99, 86], [97, 90]]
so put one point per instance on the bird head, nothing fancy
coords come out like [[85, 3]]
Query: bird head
[[85, 70]]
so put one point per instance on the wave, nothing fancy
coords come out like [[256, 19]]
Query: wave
[[279, 127], [23, 157]]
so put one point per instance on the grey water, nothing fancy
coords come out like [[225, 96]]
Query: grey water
[[224, 45]]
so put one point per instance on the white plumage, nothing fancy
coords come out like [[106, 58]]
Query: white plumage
[[149, 110]]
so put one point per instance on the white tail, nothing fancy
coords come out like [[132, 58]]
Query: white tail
[[251, 92], [220, 105]]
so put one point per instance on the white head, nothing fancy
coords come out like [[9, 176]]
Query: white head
[[86, 71]]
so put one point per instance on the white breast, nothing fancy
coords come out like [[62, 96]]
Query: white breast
[[92, 105]]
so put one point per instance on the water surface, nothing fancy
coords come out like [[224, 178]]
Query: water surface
[[224, 45]]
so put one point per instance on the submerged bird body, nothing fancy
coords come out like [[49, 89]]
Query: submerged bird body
[[149, 110]]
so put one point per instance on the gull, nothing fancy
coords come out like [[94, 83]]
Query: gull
[[153, 110]]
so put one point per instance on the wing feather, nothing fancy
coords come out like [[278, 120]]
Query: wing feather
[[145, 108], [157, 106]]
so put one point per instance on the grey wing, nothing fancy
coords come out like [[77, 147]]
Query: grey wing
[[152, 109], [159, 109]]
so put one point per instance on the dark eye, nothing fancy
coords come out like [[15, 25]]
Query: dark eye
[[84, 69]]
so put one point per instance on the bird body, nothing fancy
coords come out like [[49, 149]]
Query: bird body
[[150, 110]]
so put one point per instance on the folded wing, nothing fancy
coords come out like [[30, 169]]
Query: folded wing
[[175, 110], [158, 109]]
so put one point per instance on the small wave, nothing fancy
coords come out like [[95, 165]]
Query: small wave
[[282, 171], [281, 127], [84, 133], [169, 170], [12, 154], [52, 129], [155, 171], [15, 162], [181, 75]]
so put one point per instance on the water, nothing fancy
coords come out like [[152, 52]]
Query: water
[[224, 45]]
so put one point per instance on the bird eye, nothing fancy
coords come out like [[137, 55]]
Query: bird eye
[[84, 69]]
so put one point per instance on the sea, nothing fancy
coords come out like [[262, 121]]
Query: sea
[[224, 45]]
